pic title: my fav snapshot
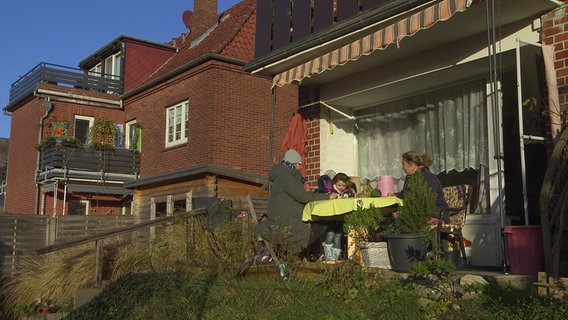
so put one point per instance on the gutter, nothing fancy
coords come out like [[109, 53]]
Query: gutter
[[336, 33]]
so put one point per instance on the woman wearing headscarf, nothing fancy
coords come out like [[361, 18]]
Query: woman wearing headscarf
[[284, 225]]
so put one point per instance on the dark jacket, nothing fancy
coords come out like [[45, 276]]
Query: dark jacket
[[436, 187], [285, 206]]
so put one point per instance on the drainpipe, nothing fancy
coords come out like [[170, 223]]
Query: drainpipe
[[493, 67], [47, 106], [271, 136]]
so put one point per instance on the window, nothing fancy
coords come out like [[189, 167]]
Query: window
[[81, 128], [133, 138], [120, 132], [168, 205], [78, 208], [127, 208], [176, 124], [112, 67], [448, 124], [96, 70]]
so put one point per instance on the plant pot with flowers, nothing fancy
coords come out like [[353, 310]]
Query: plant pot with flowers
[[366, 226], [409, 244]]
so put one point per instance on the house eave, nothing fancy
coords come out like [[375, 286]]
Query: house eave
[[190, 173]]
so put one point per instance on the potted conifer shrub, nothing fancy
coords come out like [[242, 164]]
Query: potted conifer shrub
[[408, 245], [367, 226]]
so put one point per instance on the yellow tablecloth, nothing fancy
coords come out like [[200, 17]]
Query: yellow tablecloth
[[329, 208]]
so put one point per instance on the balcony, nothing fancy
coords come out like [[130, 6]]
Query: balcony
[[72, 162], [64, 76]]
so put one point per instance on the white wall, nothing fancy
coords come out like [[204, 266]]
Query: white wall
[[408, 76], [337, 148]]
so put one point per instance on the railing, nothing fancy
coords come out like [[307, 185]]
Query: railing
[[190, 216], [3, 171], [279, 23], [86, 159], [64, 76]]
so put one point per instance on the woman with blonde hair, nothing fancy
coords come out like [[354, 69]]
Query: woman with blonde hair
[[414, 161]]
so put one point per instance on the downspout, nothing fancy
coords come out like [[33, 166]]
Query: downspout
[[47, 106], [490, 9], [271, 137]]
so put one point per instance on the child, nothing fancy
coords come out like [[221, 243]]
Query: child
[[332, 244]]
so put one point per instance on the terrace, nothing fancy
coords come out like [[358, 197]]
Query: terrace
[[63, 76]]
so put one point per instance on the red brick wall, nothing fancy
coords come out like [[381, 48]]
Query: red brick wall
[[21, 188], [229, 120], [20, 180], [204, 16], [141, 60], [555, 32], [312, 116]]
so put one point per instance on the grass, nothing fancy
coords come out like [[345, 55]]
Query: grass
[[159, 281], [168, 296]]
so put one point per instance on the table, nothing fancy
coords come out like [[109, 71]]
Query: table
[[335, 207]]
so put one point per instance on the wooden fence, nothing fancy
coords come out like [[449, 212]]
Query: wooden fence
[[25, 234]]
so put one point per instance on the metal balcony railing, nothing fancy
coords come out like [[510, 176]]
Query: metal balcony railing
[[64, 76], [70, 161]]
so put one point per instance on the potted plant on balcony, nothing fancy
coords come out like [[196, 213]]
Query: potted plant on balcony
[[366, 226], [409, 244], [103, 134]]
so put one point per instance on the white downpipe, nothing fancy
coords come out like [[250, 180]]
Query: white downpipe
[[521, 129]]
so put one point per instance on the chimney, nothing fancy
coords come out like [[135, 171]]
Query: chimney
[[204, 16]]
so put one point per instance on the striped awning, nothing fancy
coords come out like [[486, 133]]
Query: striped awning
[[378, 40]]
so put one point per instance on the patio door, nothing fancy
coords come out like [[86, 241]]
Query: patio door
[[524, 129]]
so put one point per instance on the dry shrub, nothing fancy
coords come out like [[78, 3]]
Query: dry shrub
[[51, 277], [225, 250]]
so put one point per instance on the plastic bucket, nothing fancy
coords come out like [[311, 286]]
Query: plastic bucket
[[524, 249], [386, 185]]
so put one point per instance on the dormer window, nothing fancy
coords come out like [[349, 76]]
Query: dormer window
[[109, 67]]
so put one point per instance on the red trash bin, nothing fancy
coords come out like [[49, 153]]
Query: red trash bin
[[524, 249]]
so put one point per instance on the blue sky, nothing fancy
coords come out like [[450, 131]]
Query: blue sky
[[65, 32]]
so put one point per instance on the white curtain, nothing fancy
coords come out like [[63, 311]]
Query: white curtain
[[450, 125]]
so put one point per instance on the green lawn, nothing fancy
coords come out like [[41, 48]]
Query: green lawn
[[169, 296]]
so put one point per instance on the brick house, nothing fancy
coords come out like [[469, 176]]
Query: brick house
[[449, 78], [66, 102], [207, 128], [45, 178], [191, 122]]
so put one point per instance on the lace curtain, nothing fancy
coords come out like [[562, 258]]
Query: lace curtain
[[450, 125]]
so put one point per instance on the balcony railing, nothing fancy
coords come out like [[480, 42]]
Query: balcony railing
[[69, 161], [64, 76], [280, 23]]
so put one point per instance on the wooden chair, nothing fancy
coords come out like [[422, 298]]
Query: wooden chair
[[458, 198], [258, 207]]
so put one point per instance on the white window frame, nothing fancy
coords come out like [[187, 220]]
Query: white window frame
[[131, 125], [176, 121], [96, 70], [87, 205], [112, 66], [127, 208], [91, 121]]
